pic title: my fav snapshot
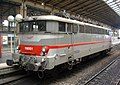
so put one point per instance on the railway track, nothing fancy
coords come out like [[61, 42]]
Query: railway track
[[8, 70], [95, 80], [11, 74]]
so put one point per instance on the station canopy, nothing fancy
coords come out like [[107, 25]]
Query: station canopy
[[104, 11]]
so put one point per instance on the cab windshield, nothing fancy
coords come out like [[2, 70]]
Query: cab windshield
[[32, 26]]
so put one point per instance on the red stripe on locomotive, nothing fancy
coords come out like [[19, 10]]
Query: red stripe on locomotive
[[36, 50]]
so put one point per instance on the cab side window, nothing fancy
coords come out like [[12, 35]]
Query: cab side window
[[62, 26]]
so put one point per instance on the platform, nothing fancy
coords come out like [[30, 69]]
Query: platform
[[3, 65], [5, 55]]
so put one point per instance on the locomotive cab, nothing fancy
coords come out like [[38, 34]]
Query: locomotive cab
[[35, 37]]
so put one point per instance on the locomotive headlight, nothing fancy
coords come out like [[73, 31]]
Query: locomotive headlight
[[44, 49], [18, 48]]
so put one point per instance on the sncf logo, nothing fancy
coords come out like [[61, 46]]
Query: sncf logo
[[30, 37], [28, 48]]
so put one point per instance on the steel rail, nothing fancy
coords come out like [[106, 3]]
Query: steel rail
[[93, 77], [10, 74], [11, 79]]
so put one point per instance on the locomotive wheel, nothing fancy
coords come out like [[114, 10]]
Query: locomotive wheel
[[41, 74]]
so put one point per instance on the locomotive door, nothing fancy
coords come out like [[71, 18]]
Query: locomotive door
[[73, 35], [70, 50]]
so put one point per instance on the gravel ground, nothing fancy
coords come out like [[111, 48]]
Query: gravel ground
[[77, 76]]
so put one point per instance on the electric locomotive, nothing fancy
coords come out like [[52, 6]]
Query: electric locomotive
[[48, 41]]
